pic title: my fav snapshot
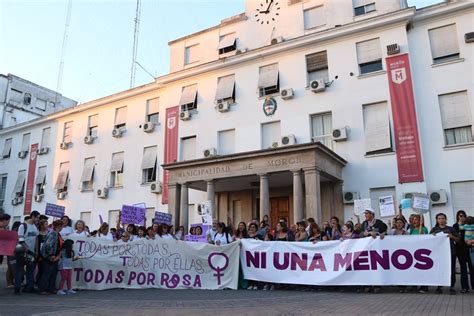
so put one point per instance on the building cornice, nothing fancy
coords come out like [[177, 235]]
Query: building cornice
[[441, 9], [404, 15]]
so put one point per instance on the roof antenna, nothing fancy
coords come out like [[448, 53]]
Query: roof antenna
[[135, 45], [63, 49]]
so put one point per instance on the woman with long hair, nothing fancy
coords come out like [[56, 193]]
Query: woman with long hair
[[103, 232], [80, 229], [241, 231], [462, 252]]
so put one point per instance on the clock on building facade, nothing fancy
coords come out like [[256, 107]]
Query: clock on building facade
[[267, 11]]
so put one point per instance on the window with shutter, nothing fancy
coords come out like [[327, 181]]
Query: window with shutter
[[40, 180], [271, 134], [456, 118], [7, 148], [19, 188], [3, 187], [188, 148], [191, 54], [317, 66], [444, 43], [45, 137], [120, 117], [225, 88], [462, 195], [227, 43], [268, 80], [152, 110], [362, 7], [226, 142], [314, 17], [116, 170], [87, 178], [93, 125], [188, 99], [369, 56], [25, 144], [62, 179], [377, 128], [40, 104], [321, 127], [67, 133], [149, 164]]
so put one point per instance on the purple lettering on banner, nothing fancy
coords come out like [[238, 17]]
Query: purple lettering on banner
[[162, 218], [383, 261], [259, 260], [276, 261], [424, 261], [317, 263], [361, 260], [54, 210], [132, 214], [301, 262], [408, 259], [343, 262], [99, 276]]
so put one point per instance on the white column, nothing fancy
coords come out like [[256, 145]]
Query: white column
[[298, 207], [264, 196], [184, 209], [211, 196], [312, 178]]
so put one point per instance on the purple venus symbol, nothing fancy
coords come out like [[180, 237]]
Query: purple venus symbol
[[218, 269]]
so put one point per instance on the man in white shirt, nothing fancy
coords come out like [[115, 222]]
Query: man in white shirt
[[211, 231], [25, 253]]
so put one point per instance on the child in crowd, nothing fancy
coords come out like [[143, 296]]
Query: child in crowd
[[150, 233], [65, 267]]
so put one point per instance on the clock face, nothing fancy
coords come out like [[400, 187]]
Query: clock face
[[267, 11]]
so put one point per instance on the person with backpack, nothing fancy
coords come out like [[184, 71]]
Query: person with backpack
[[50, 253], [25, 255], [221, 237]]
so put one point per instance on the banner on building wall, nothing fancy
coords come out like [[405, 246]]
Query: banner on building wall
[[407, 141], [30, 181], [171, 146], [169, 264], [395, 260]]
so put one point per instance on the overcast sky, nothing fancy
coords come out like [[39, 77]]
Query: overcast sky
[[98, 54]]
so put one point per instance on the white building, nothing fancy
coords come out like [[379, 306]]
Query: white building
[[323, 64], [22, 101]]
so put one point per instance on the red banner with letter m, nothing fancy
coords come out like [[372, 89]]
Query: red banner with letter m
[[410, 168], [171, 145], [30, 181]]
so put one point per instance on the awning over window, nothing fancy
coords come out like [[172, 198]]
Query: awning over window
[[149, 157], [153, 106], [62, 176], [455, 110], [225, 87], [45, 137], [94, 120], [443, 41], [359, 3], [25, 144], [317, 61], [117, 162], [268, 76], [227, 41], [369, 51], [41, 176], [7, 148], [188, 95], [20, 182], [88, 170], [121, 115]]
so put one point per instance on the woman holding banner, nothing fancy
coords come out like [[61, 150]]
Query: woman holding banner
[[80, 229], [103, 232]]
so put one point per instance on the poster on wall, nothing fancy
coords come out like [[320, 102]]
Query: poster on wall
[[204, 212]]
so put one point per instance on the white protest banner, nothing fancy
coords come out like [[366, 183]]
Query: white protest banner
[[395, 260], [387, 206], [361, 205], [169, 264]]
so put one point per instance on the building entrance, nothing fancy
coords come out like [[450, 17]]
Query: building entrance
[[280, 209]]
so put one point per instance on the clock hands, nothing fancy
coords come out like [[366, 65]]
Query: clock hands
[[268, 8]]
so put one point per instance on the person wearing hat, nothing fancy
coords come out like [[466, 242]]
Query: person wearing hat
[[372, 226]]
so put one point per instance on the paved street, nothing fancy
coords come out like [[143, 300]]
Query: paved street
[[245, 302]]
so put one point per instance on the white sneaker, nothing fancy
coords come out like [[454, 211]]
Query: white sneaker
[[266, 287], [250, 287], [71, 291], [272, 287], [60, 292]]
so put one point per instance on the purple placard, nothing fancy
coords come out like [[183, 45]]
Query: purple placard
[[54, 210], [205, 228], [132, 214], [162, 218], [194, 238]]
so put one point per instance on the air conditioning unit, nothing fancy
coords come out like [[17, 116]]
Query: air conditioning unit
[[155, 187], [184, 115], [223, 106], [288, 140], [438, 197], [339, 134], [88, 139], [117, 132], [469, 37], [349, 197], [43, 150], [317, 85], [408, 195], [64, 145], [102, 193], [210, 152], [61, 195], [393, 49], [39, 197], [148, 127], [287, 93], [22, 154], [277, 40]]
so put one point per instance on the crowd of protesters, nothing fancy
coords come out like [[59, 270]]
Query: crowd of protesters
[[43, 251]]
